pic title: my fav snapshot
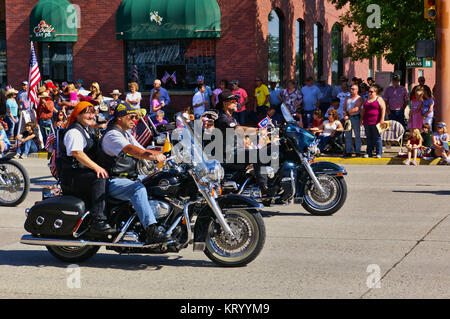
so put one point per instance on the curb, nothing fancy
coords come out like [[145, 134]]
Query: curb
[[335, 160]]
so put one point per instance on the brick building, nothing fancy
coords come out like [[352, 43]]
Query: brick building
[[114, 41]]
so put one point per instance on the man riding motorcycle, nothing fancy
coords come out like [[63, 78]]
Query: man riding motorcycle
[[228, 104], [119, 154]]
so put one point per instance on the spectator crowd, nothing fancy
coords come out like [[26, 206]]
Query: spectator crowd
[[335, 114]]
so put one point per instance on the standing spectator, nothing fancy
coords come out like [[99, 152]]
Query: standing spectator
[[326, 93], [215, 95], [208, 92], [343, 96], [156, 103], [370, 81], [45, 114], [26, 141], [73, 95], [363, 92], [414, 145], [12, 111], [134, 97], [372, 114], [397, 99], [415, 116], [338, 88], [199, 102], [164, 93], [311, 101], [291, 97], [275, 99], [5, 144], [112, 104], [262, 101], [22, 97], [352, 111], [421, 84], [428, 106], [242, 99], [440, 143]]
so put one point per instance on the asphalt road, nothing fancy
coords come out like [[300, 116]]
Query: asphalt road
[[390, 240]]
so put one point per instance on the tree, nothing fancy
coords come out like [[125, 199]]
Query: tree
[[401, 24]]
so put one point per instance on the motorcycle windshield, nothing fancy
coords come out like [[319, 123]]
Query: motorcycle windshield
[[189, 149], [287, 115]]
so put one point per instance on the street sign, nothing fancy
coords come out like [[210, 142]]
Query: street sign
[[420, 63]]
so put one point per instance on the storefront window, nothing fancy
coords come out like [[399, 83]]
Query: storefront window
[[300, 52], [3, 71], [275, 42], [318, 50], [177, 63], [337, 64], [56, 61]]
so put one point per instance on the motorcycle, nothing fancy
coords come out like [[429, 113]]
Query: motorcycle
[[228, 229], [14, 182], [318, 186]]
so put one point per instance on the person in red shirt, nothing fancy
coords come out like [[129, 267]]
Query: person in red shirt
[[414, 144], [45, 111]]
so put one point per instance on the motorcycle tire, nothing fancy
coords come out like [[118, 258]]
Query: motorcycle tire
[[73, 254], [18, 182], [250, 235], [320, 205]]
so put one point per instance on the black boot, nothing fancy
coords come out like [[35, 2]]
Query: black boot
[[156, 234], [101, 227]]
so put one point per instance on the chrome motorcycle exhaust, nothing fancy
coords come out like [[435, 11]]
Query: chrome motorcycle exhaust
[[31, 240]]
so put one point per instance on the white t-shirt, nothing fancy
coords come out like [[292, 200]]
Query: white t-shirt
[[329, 128], [342, 96], [74, 141], [197, 99], [114, 142], [133, 97]]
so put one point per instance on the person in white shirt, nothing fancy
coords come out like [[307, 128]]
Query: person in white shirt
[[199, 102], [134, 97]]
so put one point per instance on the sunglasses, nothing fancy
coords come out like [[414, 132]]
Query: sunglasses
[[133, 117], [371, 91]]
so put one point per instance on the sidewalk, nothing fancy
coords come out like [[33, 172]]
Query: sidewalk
[[390, 157]]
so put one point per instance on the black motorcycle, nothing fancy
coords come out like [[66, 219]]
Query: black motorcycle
[[229, 229], [14, 182], [318, 186]]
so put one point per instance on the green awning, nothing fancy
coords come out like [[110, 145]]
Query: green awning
[[53, 21], [167, 19]]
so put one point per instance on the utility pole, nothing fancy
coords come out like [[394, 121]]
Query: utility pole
[[442, 111]]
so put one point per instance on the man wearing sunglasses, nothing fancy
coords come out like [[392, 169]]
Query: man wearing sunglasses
[[120, 155]]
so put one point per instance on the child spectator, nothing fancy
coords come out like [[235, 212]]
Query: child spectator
[[60, 120], [274, 116], [427, 144], [299, 117], [5, 144], [317, 122], [3, 123], [160, 118], [440, 143], [26, 141], [415, 117], [414, 145], [156, 104], [73, 94], [428, 106]]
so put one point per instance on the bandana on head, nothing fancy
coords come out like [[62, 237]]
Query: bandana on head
[[77, 110]]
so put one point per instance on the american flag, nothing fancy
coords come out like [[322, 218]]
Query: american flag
[[135, 74], [49, 143], [165, 77], [174, 77], [142, 132], [34, 76]]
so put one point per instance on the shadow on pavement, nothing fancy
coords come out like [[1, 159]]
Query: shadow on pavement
[[266, 213], [446, 192], [106, 260]]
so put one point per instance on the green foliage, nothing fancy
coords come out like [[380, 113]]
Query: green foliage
[[402, 23]]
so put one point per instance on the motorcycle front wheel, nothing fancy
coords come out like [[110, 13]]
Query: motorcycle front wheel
[[249, 237], [14, 183], [328, 203]]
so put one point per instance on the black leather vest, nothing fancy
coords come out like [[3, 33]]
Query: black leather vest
[[121, 166]]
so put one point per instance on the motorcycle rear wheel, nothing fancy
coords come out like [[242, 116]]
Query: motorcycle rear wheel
[[17, 185], [328, 204], [73, 254], [250, 235]]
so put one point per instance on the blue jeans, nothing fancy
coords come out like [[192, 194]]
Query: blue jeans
[[373, 140], [136, 193], [12, 126], [356, 127], [398, 116], [46, 129], [323, 141], [27, 148]]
